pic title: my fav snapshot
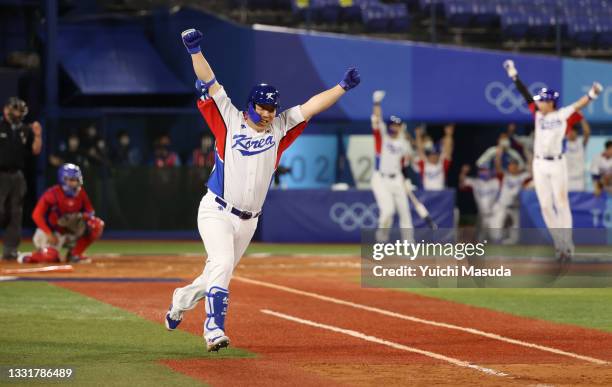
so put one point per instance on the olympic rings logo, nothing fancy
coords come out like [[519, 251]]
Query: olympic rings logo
[[506, 98], [355, 216]]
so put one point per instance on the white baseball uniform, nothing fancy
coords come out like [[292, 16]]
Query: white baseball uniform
[[574, 157], [602, 166], [485, 193], [245, 161], [550, 169], [432, 175], [507, 206], [388, 181]]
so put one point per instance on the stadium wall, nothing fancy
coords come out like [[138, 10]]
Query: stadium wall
[[423, 82]]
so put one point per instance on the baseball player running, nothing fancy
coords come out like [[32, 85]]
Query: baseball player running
[[549, 166], [574, 155], [248, 147], [65, 218]]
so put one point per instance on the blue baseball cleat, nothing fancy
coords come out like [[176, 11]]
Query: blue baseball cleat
[[172, 320]]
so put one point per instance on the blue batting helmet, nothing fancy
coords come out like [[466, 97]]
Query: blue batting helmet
[[394, 120], [69, 172], [262, 94], [434, 149], [545, 94]]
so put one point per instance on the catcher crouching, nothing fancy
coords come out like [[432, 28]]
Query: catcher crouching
[[65, 219]]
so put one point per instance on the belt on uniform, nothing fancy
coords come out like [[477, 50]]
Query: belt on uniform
[[244, 215], [390, 175], [550, 158]]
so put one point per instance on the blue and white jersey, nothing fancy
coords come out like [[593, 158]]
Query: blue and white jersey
[[245, 160], [389, 152], [511, 185], [485, 192], [550, 130]]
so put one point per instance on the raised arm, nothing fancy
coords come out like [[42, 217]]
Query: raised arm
[[203, 71], [377, 98], [418, 141], [448, 142], [499, 169], [520, 86], [593, 93], [329, 97], [586, 131], [485, 158]]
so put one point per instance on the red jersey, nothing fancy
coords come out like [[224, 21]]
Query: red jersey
[[54, 203]]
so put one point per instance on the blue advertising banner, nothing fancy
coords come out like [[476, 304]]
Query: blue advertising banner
[[338, 216], [578, 76], [588, 211], [472, 85]]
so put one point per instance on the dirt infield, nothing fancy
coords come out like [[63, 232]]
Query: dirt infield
[[316, 325]]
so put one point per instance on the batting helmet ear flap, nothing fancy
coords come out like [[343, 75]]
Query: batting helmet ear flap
[[256, 118]]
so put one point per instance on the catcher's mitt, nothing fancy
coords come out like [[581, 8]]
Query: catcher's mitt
[[74, 224]]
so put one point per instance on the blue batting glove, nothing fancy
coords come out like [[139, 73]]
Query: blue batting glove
[[351, 79], [191, 40]]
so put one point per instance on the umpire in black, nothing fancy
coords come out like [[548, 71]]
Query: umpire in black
[[17, 142]]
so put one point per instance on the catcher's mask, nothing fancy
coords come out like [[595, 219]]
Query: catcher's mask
[[65, 174]]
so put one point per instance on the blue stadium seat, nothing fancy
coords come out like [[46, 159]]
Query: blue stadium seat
[[540, 26], [399, 18], [583, 32], [438, 5], [351, 14], [485, 13], [514, 25], [325, 11], [459, 13], [375, 18], [603, 26]]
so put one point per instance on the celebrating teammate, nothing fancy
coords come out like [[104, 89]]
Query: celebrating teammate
[[506, 207], [574, 156], [432, 163], [549, 166], [65, 218], [601, 170], [248, 147], [485, 189], [392, 149]]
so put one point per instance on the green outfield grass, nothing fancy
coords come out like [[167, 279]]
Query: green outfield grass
[[589, 308], [45, 325]]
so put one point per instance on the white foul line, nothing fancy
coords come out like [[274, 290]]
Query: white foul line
[[473, 331], [372, 339]]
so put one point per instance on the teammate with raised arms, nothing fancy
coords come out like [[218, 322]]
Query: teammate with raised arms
[[248, 147], [549, 166], [392, 149]]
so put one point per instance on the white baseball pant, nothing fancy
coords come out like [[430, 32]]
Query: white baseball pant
[[41, 240], [226, 238], [550, 180], [390, 195], [498, 220]]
